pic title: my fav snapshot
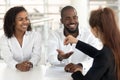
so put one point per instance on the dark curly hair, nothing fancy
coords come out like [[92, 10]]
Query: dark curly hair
[[9, 20]]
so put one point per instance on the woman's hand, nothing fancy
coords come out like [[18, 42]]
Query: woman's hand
[[70, 39], [24, 66]]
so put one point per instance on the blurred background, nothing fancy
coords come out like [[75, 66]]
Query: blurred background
[[45, 14]]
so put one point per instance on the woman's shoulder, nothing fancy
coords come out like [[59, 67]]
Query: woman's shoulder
[[4, 37], [107, 52], [33, 33], [106, 49]]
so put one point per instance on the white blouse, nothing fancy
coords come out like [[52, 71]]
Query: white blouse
[[13, 53]]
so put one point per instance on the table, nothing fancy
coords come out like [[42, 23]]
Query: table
[[41, 72]]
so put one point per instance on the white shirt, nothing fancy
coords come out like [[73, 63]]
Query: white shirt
[[56, 40], [13, 53]]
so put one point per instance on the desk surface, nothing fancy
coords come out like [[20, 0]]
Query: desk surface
[[41, 72]]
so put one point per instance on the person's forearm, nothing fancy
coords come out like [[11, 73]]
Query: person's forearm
[[77, 75], [86, 48]]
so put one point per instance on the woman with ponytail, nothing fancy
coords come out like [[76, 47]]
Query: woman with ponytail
[[106, 64]]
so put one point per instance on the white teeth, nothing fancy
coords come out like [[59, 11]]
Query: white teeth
[[24, 26], [72, 25]]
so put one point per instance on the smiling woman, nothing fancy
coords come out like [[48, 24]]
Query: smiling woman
[[18, 34]]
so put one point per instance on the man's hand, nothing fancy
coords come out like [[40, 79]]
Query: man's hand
[[71, 67], [24, 66], [62, 55]]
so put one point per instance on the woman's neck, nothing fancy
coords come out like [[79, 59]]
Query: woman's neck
[[19, 34], [19, 37]]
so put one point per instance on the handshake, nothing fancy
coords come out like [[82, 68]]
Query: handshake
[[71, 67]]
